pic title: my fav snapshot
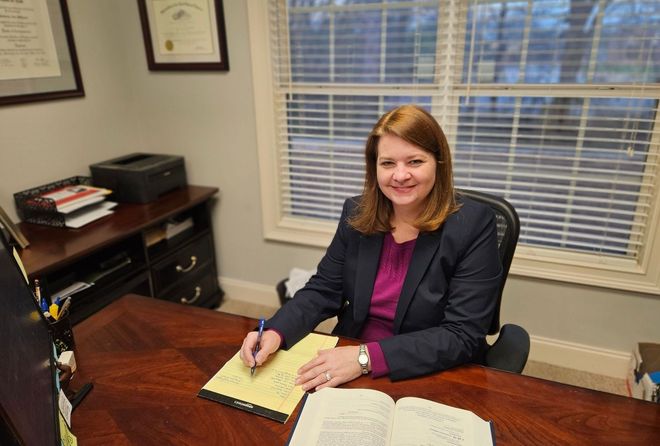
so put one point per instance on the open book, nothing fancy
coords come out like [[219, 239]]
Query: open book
[[364, 416]]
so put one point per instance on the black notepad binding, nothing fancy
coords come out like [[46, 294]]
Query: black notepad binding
[[244, 405]]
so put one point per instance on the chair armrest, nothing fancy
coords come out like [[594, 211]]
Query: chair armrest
[[511, 349], [281, 291]]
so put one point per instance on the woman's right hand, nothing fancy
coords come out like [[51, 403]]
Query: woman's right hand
[[270, 343]]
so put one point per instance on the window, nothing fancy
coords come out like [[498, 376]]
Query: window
[[551, 104]]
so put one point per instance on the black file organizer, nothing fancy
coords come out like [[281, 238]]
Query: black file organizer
[[33, 208]]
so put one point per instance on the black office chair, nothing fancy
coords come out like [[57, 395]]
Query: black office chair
[[511, 349]]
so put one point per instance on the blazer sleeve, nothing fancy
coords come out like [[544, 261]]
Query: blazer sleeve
[[322, 296], [471, 297]]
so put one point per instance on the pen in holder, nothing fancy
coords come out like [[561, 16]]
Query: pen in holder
[[62, 334]]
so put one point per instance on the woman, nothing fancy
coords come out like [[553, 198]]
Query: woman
[[413, 270]]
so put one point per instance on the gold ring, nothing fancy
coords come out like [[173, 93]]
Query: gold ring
[[327, 376]]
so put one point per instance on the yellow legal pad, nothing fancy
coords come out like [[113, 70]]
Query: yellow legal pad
[[270, 392]]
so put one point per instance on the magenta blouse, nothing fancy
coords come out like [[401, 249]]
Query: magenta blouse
[[392, 268]]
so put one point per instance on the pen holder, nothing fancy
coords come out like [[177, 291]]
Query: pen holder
[[62, 334]]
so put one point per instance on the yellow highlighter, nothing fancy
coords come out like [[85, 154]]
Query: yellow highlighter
[[54, 310]]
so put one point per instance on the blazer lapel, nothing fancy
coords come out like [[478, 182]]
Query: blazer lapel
[[367, 267], [425, 248]]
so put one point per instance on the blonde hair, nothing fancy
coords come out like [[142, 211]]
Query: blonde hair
[[416, 126]]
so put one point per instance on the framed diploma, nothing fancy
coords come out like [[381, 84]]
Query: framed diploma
[[37, 55], [184, 35]]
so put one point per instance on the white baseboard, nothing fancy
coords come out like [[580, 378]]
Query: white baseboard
[[254, 293], [582, 357], [551, 351]]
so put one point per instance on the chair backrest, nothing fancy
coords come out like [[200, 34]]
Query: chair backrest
[[508, 229]]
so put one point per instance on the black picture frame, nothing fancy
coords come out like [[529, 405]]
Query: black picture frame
[[35, 86], [13, 230], [162, 31]]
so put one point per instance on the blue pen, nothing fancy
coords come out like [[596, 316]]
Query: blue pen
[[44, 305], [256, 348]]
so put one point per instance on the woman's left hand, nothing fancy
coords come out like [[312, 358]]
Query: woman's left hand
[[330, 368]]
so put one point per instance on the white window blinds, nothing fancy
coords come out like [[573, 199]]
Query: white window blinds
[[550, 104]]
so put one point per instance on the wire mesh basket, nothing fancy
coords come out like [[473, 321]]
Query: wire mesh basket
[[33, 207]]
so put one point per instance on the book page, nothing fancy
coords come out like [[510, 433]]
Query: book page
[[333, 417], [272, 385], [422, 422]]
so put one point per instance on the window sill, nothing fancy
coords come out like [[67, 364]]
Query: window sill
[[533, 262]]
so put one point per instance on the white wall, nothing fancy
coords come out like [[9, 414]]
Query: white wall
[[45, 141], [209, 118]]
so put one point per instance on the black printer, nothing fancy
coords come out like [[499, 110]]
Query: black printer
[[140, 177]]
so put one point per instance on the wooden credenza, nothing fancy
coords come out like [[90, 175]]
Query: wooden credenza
[[131, 251]]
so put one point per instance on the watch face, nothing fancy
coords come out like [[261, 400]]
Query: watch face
[[363, 359]]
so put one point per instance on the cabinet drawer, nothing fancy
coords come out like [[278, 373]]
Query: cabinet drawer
[[182, 264], [197, 290]]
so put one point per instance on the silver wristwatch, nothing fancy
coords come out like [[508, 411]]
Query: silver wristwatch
[[363, 359]]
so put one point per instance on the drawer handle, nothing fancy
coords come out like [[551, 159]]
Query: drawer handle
[[193, 262], [198, 292]]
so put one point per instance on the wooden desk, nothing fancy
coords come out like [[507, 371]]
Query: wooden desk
[[149, 358]]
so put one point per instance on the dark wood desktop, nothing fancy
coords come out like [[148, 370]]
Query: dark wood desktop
[[148, 359]]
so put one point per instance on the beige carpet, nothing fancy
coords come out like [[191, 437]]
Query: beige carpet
[[533, 368], [575, 377]]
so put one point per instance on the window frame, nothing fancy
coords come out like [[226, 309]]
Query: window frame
[[641, 275]]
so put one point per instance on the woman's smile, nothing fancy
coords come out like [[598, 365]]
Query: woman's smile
[[403, 189]]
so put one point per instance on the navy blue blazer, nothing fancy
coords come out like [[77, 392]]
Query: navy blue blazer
[[447, 300]]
